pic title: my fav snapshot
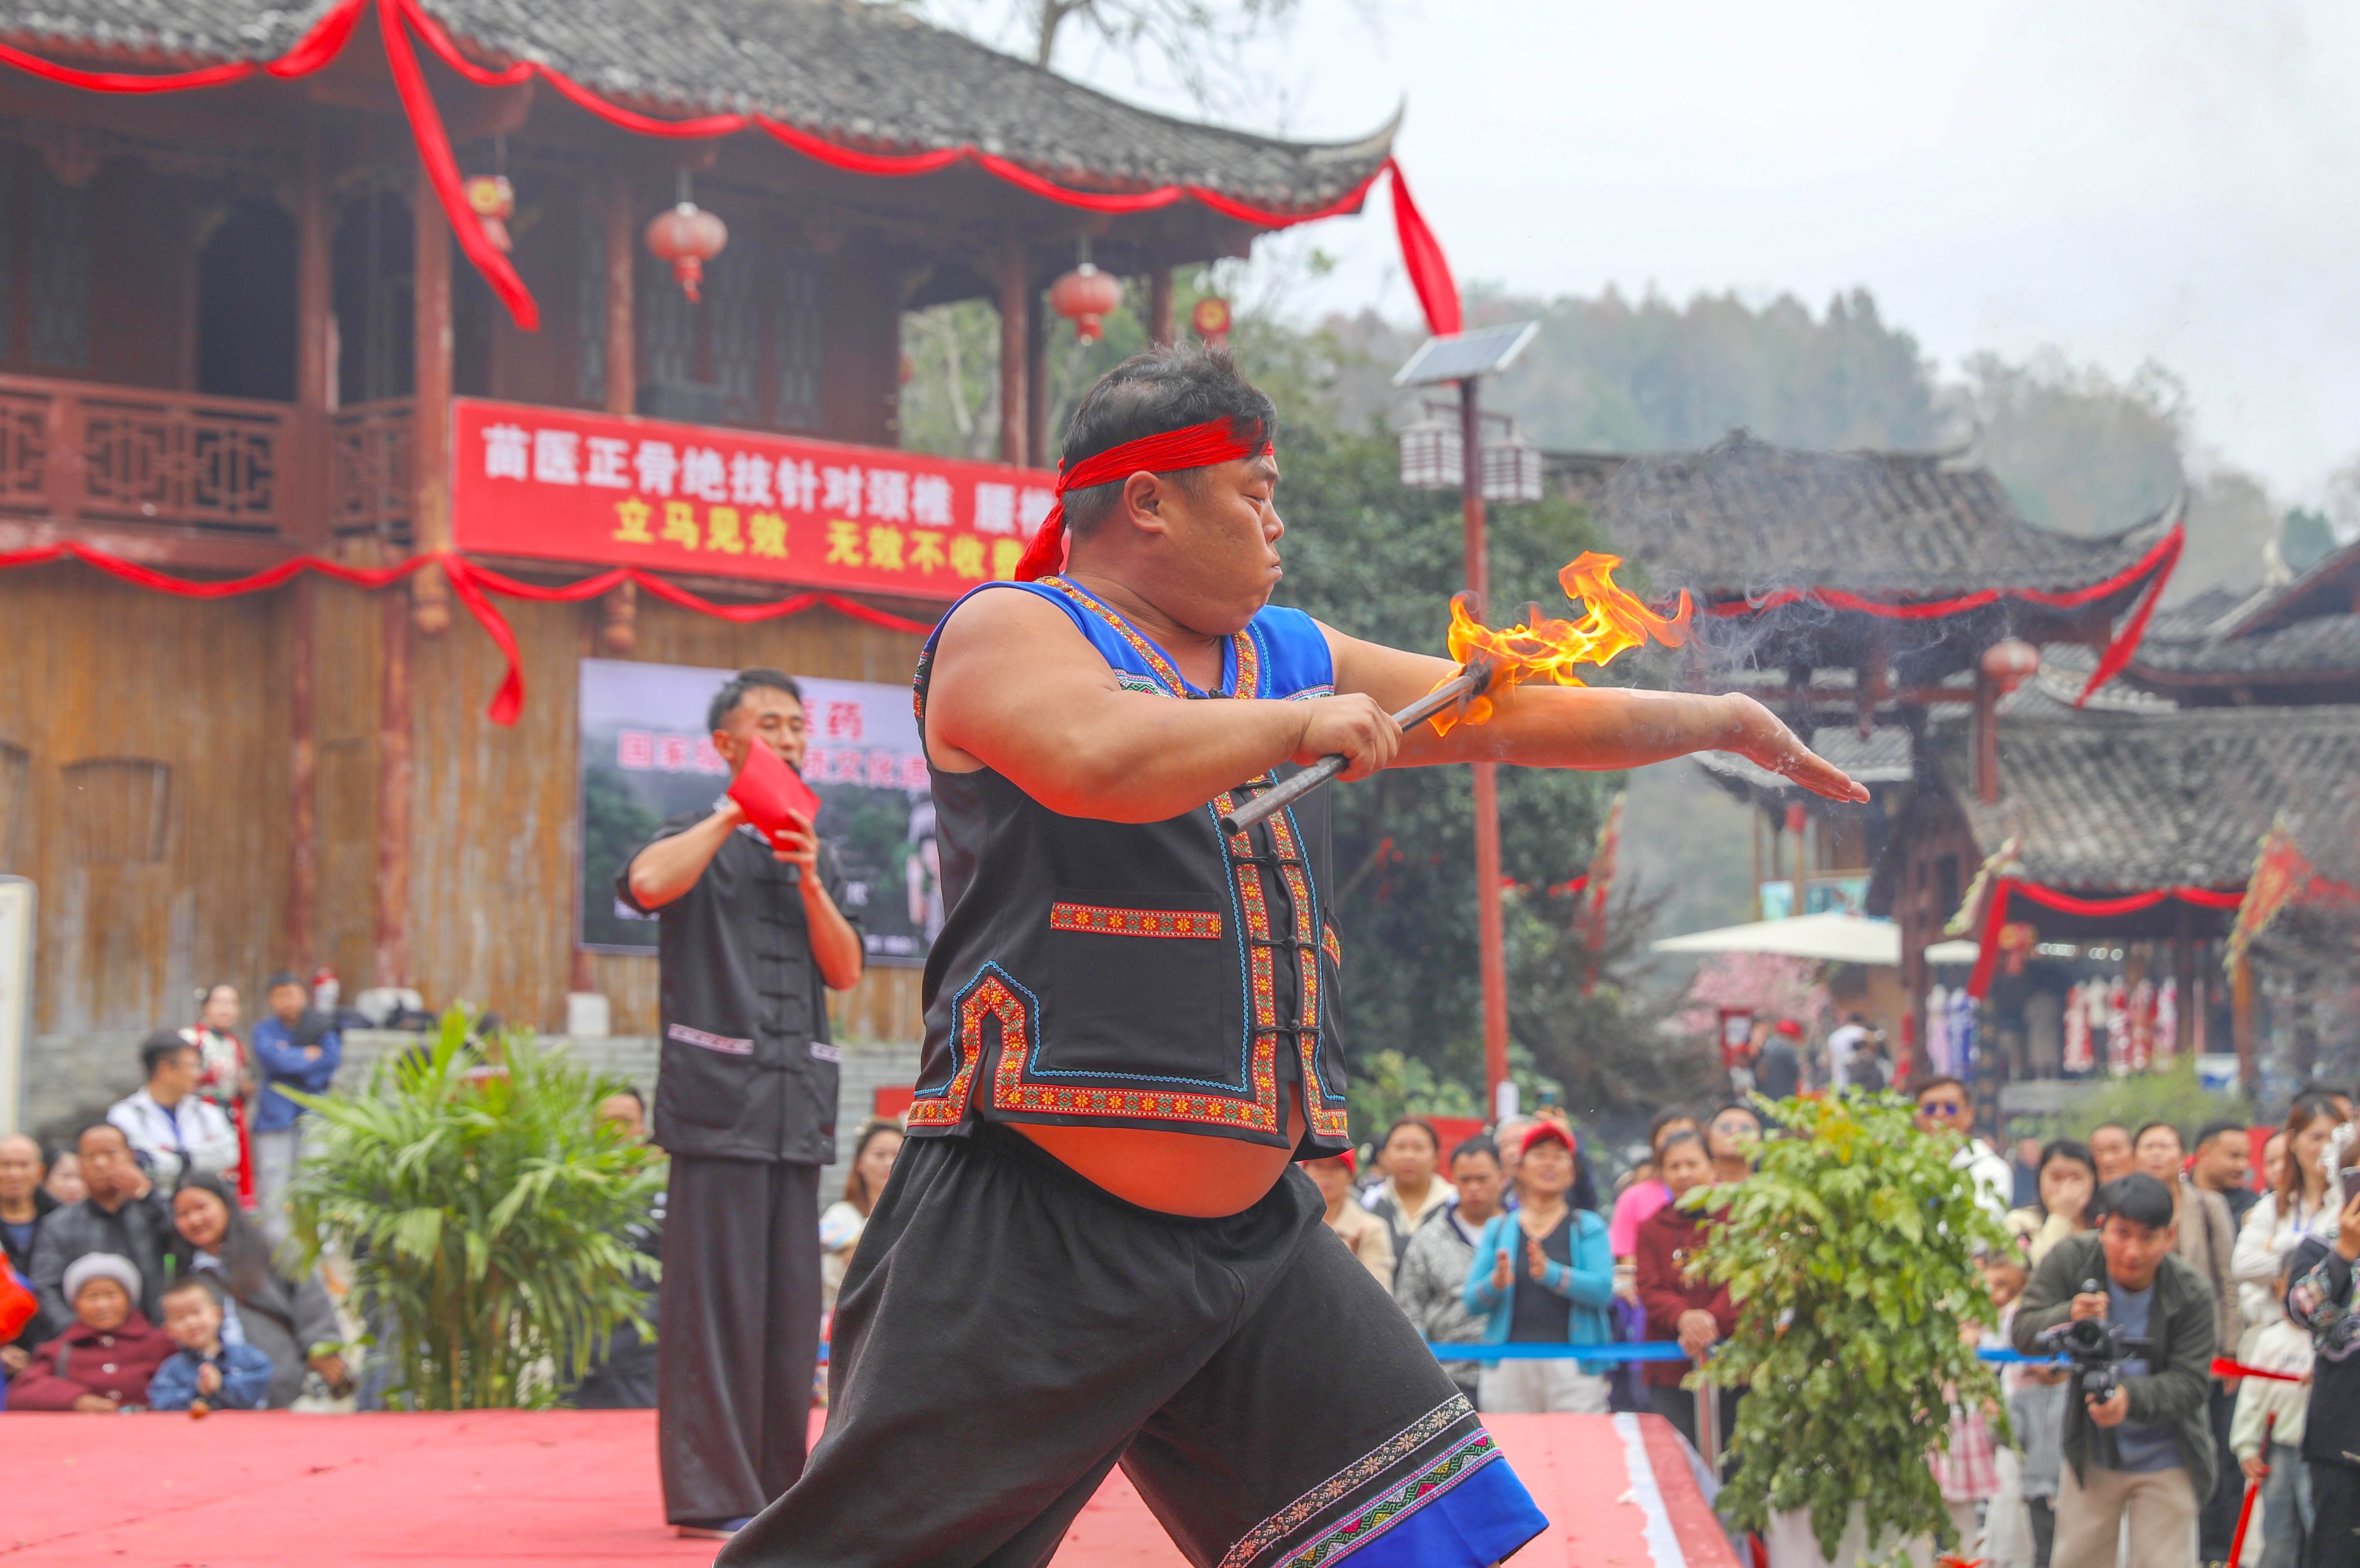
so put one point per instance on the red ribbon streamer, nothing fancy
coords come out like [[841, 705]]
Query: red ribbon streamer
[[2006, 887], [471, 583], [2160, 560], [1422, 255], [1191, 446], [2226, 1369]]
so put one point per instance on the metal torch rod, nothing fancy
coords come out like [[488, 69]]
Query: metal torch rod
[[1468, 682]]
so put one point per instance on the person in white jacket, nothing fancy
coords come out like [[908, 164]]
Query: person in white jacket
[[171, 1128], [2272, 1452], [2277, 1222]]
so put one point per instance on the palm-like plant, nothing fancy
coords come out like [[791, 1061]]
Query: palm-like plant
[[484, 1207]]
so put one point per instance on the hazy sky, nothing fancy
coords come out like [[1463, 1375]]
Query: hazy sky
[[2174, 180]]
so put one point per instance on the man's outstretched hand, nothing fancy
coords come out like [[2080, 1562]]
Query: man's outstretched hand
[[1763, 740]]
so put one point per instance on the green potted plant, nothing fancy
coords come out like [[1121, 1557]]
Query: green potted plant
[[483, 1206], [1850, 1252]]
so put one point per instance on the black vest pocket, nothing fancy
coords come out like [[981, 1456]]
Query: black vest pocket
[[703, 1077], [1145, 987]]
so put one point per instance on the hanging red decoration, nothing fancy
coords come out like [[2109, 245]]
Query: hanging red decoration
[[687, 237], [1086, 297], [2011, 663], [1211, 319], [493, 201]]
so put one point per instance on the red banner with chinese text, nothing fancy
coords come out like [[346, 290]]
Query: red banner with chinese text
[[564, 485]]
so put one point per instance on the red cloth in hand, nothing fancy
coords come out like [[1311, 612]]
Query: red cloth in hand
[[771, 793]]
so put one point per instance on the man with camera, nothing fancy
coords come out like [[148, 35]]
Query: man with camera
[[2137, 1324]]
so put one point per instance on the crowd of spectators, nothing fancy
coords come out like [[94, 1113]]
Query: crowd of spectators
[[150, 1277], [150, 1249]]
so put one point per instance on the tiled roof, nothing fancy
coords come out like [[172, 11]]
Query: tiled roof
[[2119, 802], [864, 74], [1745, 518]]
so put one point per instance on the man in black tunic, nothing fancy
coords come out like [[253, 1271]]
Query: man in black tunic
[[753, 934]]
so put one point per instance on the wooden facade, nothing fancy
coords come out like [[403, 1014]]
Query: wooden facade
[[231, 326]]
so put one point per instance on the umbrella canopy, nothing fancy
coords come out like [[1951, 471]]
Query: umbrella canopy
[[1836, 937]]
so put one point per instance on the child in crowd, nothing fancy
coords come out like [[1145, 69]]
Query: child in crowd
[[103, 1363], [206, 1374], [2008, 1538], [1969, 1469], [2271, 1455]]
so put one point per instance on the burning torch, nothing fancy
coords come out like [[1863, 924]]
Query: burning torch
[[1492, 659]]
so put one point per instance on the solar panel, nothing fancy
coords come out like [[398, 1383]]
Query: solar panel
[[1464, 354]]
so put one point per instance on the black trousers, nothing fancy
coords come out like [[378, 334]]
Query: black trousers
[[2216, 1517], [739, 1307], [1007, 1332], [2335, 1523]]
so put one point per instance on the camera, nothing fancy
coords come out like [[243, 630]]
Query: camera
[[2096, 1349]]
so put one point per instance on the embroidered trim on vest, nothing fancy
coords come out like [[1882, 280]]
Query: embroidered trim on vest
[[1330, 946], [1453, 1465], [1100, 921], [1249, 660], [991, 994], [1326, 1121]]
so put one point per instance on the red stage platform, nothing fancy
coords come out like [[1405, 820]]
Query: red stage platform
[[506, 1487]]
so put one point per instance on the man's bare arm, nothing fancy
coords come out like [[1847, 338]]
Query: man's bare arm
[[1596, 727], [670, 866], [1016, 689]]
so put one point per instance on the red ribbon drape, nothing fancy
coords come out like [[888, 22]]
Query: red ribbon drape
[[2159, 561], [474, 585], [2230, 1371], [1421, 254], [2007, 888]]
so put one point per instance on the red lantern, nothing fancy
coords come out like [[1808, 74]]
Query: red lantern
[[1211, 319], [2010, 664], [493, 201], [1085, 296], [687, 237]]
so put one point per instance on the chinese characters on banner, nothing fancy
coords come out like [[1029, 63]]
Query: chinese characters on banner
[[561, 485], [647, 756]]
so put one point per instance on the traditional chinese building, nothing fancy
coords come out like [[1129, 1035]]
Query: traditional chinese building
[[1864, 597], [263, 303]]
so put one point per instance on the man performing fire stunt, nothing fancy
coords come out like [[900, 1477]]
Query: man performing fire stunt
[[1092, 1250]]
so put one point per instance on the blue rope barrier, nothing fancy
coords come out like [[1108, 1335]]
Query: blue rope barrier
[[1652, 1351]]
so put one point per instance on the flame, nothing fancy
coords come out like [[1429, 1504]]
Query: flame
[[1612, 621]]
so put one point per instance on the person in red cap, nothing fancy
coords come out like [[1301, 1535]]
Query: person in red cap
[[1779, 1072], [1544, 1274], [1094, 1248], [1370, 1239]]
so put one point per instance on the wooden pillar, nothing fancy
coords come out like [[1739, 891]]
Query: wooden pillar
[[1160, 330], [622, 345], [315, 305], [1036, 379], [1986, 739], [619, 608], [1015, 291], [2241, 1019], [2183, 979], [303, 768], [393, 787], [314, 299], [430, 433]]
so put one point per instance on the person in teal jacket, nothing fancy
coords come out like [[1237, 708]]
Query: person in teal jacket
[[1543, 1273]]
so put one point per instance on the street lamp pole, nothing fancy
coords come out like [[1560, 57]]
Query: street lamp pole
[[1490, 927]]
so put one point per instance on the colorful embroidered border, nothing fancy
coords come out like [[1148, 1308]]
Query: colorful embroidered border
[[991, 994], [1100, 919], [1326, 1121], [1271, 1531], [1373, 1520], [1330, 946], [1249, 660]]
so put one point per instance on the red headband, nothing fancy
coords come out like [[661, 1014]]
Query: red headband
[[1197, 446]]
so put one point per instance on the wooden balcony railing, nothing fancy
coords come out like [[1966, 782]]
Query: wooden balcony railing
[[231, 469], [369, 471], [81, 452]]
